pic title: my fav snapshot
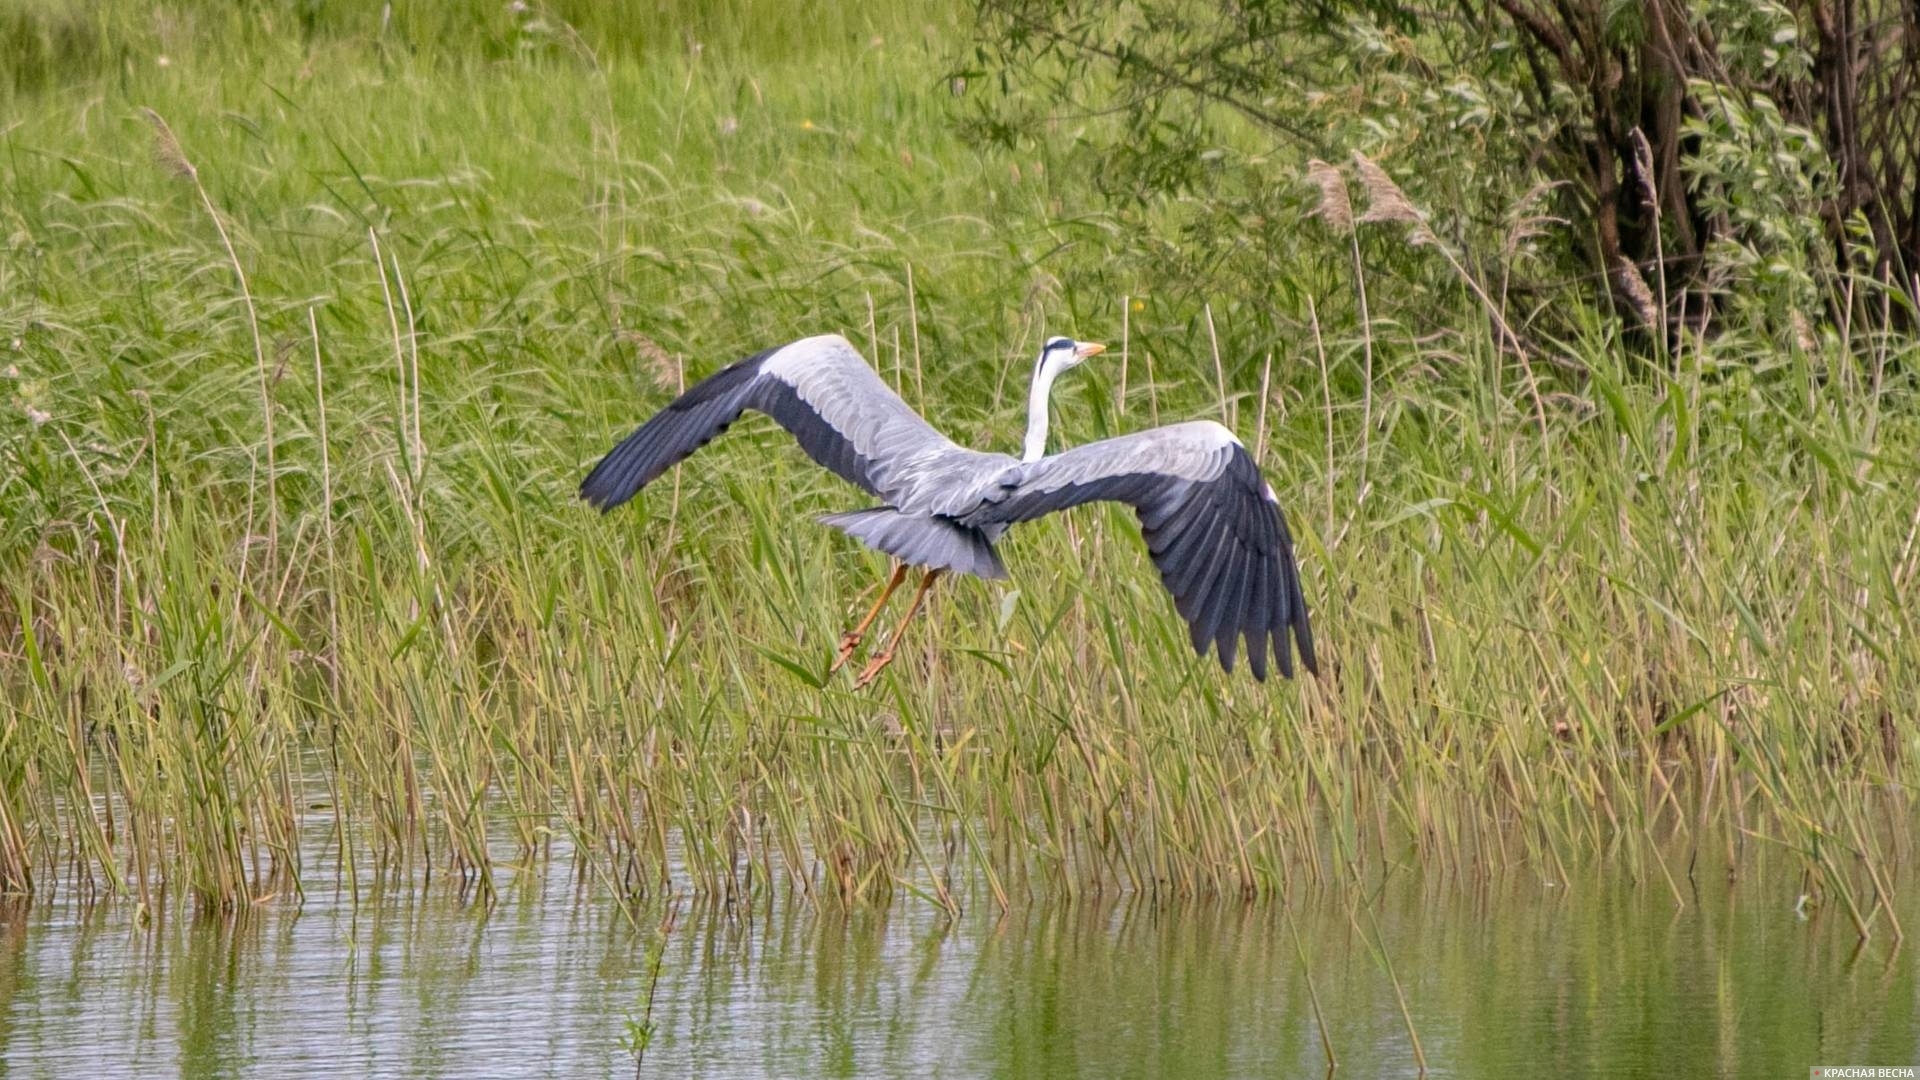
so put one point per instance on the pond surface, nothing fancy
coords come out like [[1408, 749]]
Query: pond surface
[[1519, 979]]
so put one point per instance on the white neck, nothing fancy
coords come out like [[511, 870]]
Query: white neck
[[1036, 444]]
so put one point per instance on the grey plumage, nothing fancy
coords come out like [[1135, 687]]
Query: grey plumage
[[922, 541], [846, 419], [1211, 524]]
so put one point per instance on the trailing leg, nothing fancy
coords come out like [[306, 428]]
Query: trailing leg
[[885, 656], [850, 640]]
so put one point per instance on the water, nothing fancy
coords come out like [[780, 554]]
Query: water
[[1522, 979]]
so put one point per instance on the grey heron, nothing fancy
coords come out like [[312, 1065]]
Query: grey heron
[[1213, 527]]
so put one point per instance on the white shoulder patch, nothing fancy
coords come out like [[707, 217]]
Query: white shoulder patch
[[788, 364], [1215, 432], [1271, 497]]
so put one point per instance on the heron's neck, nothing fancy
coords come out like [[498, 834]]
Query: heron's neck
[[1036, 444]]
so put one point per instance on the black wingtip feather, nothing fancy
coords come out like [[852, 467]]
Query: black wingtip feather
[[1221, 547], [1233, 606], [689, 422], [1303, 637], [1256, 622], [1297, 606], [1257, 646], [1209, 587]]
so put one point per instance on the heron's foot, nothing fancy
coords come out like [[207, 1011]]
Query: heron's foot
[[875, 665], [849, 642]]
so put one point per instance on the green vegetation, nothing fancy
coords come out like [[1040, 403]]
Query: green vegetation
[[1709, 154], [301, 371]]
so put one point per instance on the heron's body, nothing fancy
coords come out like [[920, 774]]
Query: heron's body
[[1211, 524]]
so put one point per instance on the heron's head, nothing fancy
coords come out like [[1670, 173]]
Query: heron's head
[[1061, 353]]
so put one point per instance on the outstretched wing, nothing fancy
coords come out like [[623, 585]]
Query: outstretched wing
[[1211, 524], [818, 388]]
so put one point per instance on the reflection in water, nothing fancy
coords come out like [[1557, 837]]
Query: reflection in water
[[1521, 980]]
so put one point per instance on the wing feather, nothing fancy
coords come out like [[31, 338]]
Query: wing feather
[[1239, 603], [1260, 626], [1260, 619], [1213, 609], [820, 389], [1207, 553], [1210, 523]]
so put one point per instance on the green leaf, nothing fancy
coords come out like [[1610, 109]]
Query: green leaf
[[792, 667], [1750, 621], [1424, 508], [1670, 722], [997, 659]]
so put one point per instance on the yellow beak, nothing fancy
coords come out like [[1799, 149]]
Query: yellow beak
[[1088, 348]]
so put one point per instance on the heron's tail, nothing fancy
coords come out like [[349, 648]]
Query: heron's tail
[[933, 542]]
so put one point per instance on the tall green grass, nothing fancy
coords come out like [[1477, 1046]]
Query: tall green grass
[[1658, 616]]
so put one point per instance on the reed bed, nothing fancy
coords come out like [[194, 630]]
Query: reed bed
[[301, 373]]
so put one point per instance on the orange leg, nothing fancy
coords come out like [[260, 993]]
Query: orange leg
[[850, 640], [884, 657]]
